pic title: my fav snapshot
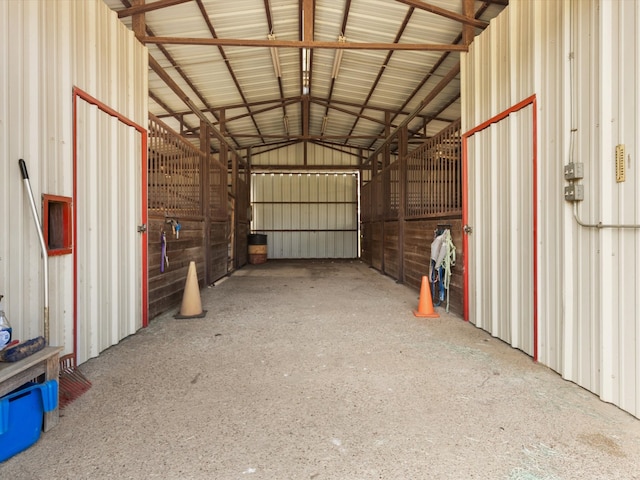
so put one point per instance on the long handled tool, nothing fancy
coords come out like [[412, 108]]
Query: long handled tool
[[43, 247], [72, 383]]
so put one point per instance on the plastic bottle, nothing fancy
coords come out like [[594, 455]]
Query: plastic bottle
[[5, 330]]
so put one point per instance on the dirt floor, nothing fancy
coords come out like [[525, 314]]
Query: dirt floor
[[319, 370]]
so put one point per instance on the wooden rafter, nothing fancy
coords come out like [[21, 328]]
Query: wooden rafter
[[267, 10], [445, 13], [138, 9], [258, 120], [382, 69], [433, 70], [139, 26], [234, 78], [155, 66], [331, 106], [428, 99]]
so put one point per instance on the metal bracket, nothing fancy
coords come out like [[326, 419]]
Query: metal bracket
[[142, 228], [467, 229]]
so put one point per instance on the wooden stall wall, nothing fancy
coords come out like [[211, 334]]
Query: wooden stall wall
[[418, 235], [183, 181], [366, 242], [218, 250], [243, 225], [377, 245], [391, 250], [403, 202], [166, 287]]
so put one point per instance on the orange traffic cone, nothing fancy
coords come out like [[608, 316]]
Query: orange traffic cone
[[191, 305], [425, 306]]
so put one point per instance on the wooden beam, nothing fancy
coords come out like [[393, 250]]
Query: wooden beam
[[304, 44], [468, 31], [205, 198], [306, 115], [403, 140], [329, 106], [307, 137], [138, 23], [137, 9], [303, 168], [274, 104], [262, 110], [445, 13], [307, 17]]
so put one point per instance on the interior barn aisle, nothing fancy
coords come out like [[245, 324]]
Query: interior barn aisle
[[319, 370]]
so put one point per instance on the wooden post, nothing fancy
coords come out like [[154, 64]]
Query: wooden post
[[468, 30], [239, 204], [138, 23], [205, 198], [386, 177], [403, 141]]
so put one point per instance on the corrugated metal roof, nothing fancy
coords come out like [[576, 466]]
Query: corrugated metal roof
[[237, 81]]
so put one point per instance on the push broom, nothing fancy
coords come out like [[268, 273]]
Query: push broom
[[72, 383]]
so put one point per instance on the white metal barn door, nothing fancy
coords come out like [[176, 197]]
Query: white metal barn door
[[110, 283], [306, 215], [500, 226]]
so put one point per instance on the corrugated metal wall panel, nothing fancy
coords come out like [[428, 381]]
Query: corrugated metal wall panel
[[620, 255], [307, 215], [582, 62], [47, 49]]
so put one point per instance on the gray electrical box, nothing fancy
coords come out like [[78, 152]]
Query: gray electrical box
[[574, 193], [574, 171]]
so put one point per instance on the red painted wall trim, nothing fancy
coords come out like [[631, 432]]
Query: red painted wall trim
[[78, 93], [465, 206]]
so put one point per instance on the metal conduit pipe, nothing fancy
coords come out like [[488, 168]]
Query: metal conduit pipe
[[600, 225]]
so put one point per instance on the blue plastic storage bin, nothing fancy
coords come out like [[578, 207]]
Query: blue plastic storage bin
[[21, 415]]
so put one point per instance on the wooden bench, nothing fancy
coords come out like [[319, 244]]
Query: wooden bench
[[16, 374]]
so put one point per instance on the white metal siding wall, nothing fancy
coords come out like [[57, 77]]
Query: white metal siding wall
[[47, 48], [582, 61], [307, 215], [619, 77]]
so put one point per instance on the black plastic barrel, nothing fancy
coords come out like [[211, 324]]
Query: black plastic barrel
[[257, 248]]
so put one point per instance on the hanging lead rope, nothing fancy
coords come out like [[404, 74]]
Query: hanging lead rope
[[448, 261], [163, 251]]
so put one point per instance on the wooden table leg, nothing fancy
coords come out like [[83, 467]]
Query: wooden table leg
[[52, 371]]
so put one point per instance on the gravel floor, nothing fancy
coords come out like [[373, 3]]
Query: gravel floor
[[319, 370]]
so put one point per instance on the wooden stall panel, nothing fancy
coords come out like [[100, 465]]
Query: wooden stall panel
[[391, 250], [166, 288], [377, 229], [418, 236], [218, 250]]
